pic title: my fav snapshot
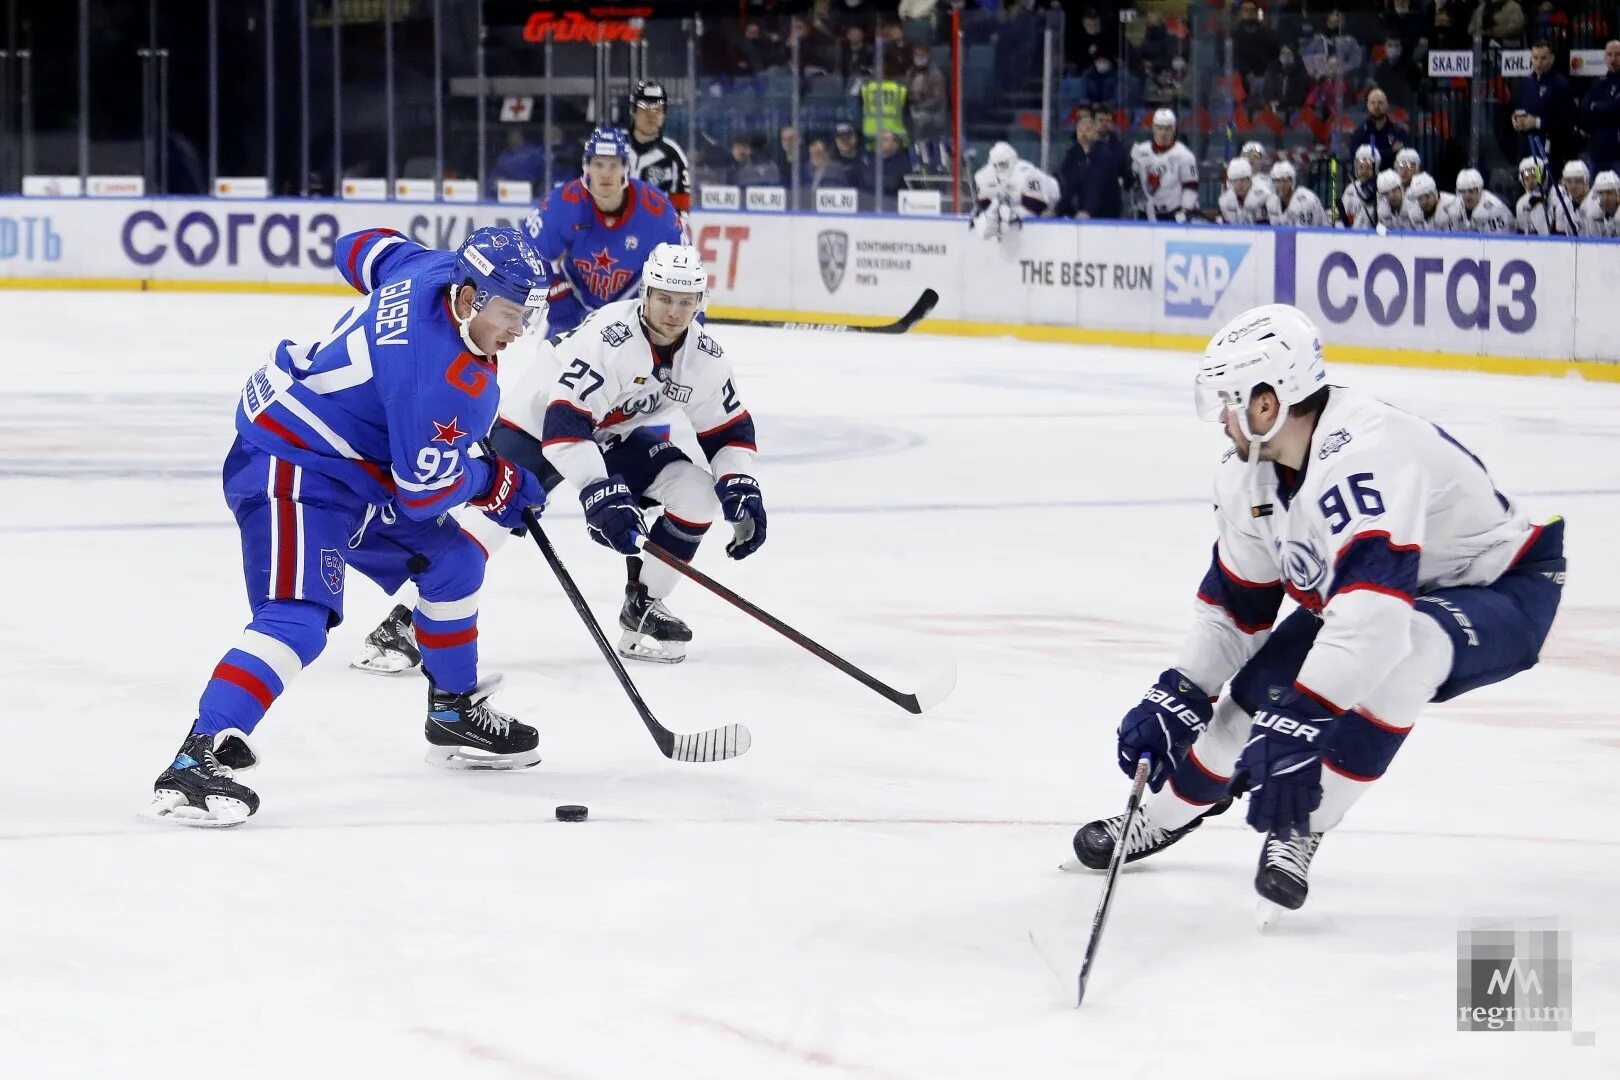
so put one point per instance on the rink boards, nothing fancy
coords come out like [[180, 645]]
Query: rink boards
[[1542, 306]]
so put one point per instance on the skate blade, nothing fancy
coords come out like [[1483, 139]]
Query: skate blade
[[633, 646], [172, 808], [1266, 914], [376, 661], [456, 757], [1075, 866]]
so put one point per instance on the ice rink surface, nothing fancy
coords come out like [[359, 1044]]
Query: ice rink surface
[[855, 896]]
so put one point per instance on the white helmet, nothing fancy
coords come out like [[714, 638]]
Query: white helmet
[[1388, 181], [1408, 156], [1164, 118], [1607, 180], [1529, 167], [1003, 157], [1283, 171], [1575, 169], [1275, 344], [1422, 184], [1365, 152], [674, 268], [1238, 169], [1470, 180], [1253, 147]]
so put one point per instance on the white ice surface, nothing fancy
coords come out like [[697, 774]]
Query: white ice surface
[[854, 896]]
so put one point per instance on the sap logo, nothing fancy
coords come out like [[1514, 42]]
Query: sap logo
[[1196, 276]]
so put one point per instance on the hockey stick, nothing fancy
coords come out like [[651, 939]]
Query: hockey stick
[[717, 744], [935, 691], [1538, 150], [1138, 782], [925, 303]]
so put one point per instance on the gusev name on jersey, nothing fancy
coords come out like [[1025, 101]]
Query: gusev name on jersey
[[610, 383], [595, 256], [389, 401], [1387, 507]]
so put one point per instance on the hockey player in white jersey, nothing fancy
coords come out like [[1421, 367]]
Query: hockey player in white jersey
[[1242, 203], [1407, 165], [1291, 204], [1477, 210], [1415, 580], [1602, 207], [1009, 189], [1427, 208], [1530, 214], [1166, 171], [1255, 154], [1388, 213], [1566, 204], [1362, 189]]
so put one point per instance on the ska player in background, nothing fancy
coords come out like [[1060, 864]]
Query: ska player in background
[[655, 158], [1477, 210], [1362, 189], [1242, 203], [1291, 204], [1530, 214], [1008, 189], [602, 424], [1428, 209], [348, 453], [1416, 581], [1166, 171], [1388, 213], [596, 231]]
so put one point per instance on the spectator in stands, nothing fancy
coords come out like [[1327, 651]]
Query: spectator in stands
[[896, 164], [1088, 38], [1447, 33], [1379, 131], [1600, 113], [824, 172], [1332, 44], [1395, 74], [1544, 105], [1328, 94], [521, 160], [745, 171], [790, 149], [918, 19], [1090, 175], [757, 52], [1100, 85], [1158, 46], [818, 51], [1501, 20], [855, 54], [1016, 35], [1285, 85], [1165, 87], [849, 154], [1405, 23], [929, 98], [1253, 45]]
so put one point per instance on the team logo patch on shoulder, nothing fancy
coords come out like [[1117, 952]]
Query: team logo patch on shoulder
[[332, 569], [446, 433], [1336, 441], [615, 333], [707, 344]]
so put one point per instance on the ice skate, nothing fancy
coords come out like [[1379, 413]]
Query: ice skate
[[465, 732], [651, 633], [1094, 843], [391, 648], [198, 789], [1285, 865]]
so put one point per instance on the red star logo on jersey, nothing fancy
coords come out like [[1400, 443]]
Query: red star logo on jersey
[[446, 433], [603, 261]]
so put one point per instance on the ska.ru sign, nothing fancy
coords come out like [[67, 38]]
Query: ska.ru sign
[[1451, 64]]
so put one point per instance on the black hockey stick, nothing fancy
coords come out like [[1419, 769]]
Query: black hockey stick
[[717, 744], [925, 303], [924, 699], [1138, 782]]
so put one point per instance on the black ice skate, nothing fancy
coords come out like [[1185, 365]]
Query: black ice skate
[[391, 648], [1094, 843], [651, 633], [198, 789], [465, 732], [1285, 866]]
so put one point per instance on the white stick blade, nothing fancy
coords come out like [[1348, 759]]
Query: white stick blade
[[717, 744], [936, 689]]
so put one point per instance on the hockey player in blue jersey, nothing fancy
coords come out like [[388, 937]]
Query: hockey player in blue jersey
[[348, 453], [596, 232]]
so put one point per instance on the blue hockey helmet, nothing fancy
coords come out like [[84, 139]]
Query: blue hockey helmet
[[605, 142], [500, 264]]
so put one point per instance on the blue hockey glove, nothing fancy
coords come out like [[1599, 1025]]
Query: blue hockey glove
[[512, 490], [1281, 765], [611, 514], [742, 505], [1164, 726]]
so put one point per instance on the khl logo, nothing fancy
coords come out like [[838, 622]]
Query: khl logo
[[1196, 275]]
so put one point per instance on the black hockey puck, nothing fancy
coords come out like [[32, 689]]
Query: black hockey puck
[[572, 813]]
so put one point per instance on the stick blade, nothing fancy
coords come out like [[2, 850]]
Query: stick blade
[[716, 744], [934, 691]]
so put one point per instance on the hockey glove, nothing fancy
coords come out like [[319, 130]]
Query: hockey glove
[[742, 505], [1281, 765], [512, 490], [1164, 726], [611, 514]]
